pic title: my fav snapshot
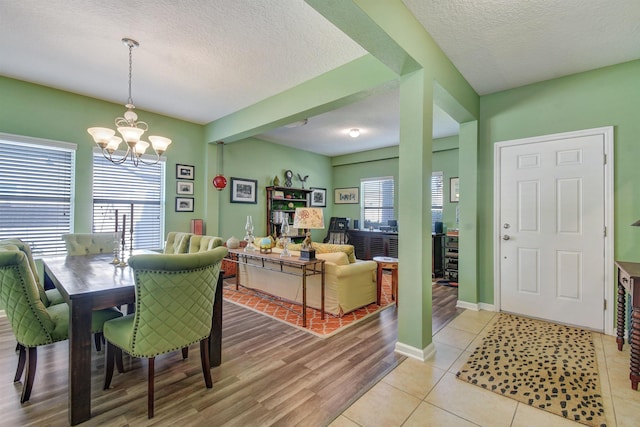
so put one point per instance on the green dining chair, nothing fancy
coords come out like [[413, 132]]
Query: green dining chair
[[32, 322], [173, 309]]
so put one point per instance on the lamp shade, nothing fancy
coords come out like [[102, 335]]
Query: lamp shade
[[308, 218]]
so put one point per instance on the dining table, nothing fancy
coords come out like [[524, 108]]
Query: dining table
[[93, 282]]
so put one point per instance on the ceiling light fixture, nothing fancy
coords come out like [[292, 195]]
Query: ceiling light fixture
[[297, 124], [219, 181], [354, 133], [131, 130]]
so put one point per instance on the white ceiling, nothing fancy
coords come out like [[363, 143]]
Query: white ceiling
[[200, 60]]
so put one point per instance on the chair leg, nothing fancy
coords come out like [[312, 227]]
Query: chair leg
[[185, 352], [119, 363], [32, 360], [204, 359], [150, 387], [22, 357], [108, 364], [97, 338]]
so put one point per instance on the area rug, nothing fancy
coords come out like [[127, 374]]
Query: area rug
[[447, 283], [547, 366], [291, 313]]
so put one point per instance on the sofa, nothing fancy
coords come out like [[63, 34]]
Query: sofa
[[349, 283]]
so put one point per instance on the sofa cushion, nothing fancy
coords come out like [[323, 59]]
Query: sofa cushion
[[337, 258], [325, 248]]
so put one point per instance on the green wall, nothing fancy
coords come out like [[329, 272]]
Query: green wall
[[349, 169], [39, 111], [253, 158], [605, 97]]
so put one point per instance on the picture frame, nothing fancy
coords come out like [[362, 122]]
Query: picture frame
[[454, 190], [346, 196], [244, 190], [318, 197], [184, 204], [185, 172], [184, 187]]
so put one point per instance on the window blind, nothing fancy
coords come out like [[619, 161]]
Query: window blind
[[36, 193], [377, 201], [437, 198], [118, 187]]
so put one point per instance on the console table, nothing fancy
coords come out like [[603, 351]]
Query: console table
[[273, 262], [629, 282]]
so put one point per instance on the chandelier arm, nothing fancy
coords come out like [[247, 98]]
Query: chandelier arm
[[141, 160], [114, 160]]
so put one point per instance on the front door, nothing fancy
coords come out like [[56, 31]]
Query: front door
[[552, 229]]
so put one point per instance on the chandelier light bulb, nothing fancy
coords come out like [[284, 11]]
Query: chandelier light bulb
[[354, 133]]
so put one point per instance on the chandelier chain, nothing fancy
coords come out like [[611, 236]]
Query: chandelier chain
[[130, 101]]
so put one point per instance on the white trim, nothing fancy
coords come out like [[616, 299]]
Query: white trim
[[467, 305], [416, 353], [38, 141], [609, 274], [487, 307]]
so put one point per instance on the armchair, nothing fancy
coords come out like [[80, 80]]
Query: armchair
[[174, 308], [32, 322], [89, 243]]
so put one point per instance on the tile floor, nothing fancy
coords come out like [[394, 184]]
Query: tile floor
[[428, 393]]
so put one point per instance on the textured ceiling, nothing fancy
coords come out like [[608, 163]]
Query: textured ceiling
[[200, 60]]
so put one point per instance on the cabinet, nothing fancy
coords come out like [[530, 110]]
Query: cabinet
[[368, 244], [437, 255], [451, 256], [281, 201]]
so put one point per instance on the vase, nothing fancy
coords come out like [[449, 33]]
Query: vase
[[276, 181], [233, 243]]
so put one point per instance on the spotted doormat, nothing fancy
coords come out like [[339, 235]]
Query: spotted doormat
[[547, 366]]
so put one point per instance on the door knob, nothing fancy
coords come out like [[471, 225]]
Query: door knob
[[506, 237]]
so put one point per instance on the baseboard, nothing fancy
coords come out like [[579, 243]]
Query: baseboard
[[3, 313], [475, 307], [416, 353]]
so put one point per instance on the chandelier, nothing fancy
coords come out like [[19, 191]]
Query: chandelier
[[131, 130]]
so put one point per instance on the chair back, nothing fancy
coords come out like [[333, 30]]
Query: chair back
[[29, 319], [177, 242], [89, 243], [204, 243], [26, 249], [174, 300]]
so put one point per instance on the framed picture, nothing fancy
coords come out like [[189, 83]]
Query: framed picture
[[184, 187], [346, 196], [454, 190], [244, 190], [184, 204], [318, 197], [185, 172]]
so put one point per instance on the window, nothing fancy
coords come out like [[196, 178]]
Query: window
[[437, 198], [36, 191], [377, 202], [118, 187]]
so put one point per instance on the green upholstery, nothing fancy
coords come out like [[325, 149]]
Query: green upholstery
[[49, 297], [32, 322], [204, 243], [177, 242], [174, 307], [89, 243]]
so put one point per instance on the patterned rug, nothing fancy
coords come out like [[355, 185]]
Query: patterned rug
[[547, 366], [290, 313]]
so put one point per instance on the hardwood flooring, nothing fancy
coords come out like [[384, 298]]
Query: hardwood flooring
[[272, 374]]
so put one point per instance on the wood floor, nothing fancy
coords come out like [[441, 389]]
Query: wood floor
[[272, 374]]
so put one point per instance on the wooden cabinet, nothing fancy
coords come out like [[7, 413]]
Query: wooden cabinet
[[437, 255], [451, 256], [281, 201], [368, 244]]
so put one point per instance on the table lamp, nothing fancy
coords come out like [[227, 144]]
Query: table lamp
[[308, 219]]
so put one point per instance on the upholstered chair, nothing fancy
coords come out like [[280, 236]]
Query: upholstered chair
[[203, 243], [177, 242], [32, 323], [89, 243], [174, 308], [49, 297]]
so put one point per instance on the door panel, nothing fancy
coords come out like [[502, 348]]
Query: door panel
[[552, 242]]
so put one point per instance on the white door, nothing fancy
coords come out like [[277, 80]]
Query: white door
[[552, 230]]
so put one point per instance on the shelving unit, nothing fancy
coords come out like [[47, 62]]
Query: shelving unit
[[281, 200], [451, 255]]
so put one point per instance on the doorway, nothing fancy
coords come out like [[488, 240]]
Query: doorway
[[553, 227]]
